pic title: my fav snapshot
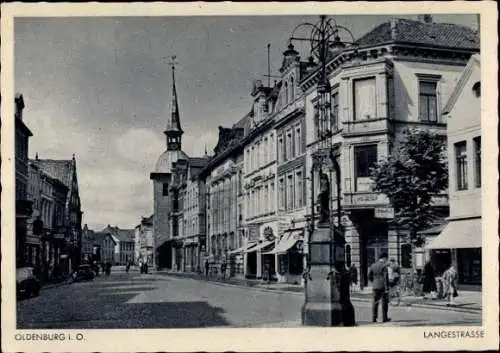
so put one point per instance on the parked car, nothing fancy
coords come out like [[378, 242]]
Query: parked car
[[84, 273], [27, 283]]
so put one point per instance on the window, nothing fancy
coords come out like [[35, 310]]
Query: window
[[289, 196], [271, 198], [286, 93], [364, 98], [266, 150], [365, 158], [281, 149], [289, 145], [461, 161], [165, 189], [335, 112], [299, 190], [292, 90], [316, 122], [298, 141], [281, 194], [406, 256], [266, 199], [348, 255], [428, 101], [477, 161], [477, 89]]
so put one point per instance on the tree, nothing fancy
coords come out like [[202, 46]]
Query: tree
[[410, 177]]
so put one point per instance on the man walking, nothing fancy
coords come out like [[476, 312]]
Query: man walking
[[378, 275]]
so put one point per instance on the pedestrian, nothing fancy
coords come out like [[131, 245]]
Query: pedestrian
[[206, 268], [223, 267], [429, 285], [394, 273], [353, 274], [378, 275], [450, 279]]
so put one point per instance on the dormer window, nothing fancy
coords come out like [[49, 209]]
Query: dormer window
[[476, 88]]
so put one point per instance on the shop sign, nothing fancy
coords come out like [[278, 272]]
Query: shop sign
[[364, 198], [384, 212]]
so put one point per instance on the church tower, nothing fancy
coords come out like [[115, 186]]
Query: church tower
[[163, 240], [174, 131]]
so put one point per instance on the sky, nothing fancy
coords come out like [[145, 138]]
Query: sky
[[100, 87]]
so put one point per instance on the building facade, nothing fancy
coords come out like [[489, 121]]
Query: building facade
[[460, 242], [188, 193], [146, 250], [104, 247], [392, 81], [223, 189], [23, 205], [289, 124], [67, 223], [124, 247]]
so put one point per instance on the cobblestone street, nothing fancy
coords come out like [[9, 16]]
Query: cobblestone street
[[162, 301]]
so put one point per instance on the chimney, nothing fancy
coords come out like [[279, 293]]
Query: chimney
[[427, 18]]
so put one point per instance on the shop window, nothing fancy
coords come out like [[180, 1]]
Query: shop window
[[295, 263], [406, 255], [461, 164], [428, 101], [477, 161], [364, 98], [366, 158]]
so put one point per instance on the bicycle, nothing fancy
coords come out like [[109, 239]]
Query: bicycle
[[394, 295]]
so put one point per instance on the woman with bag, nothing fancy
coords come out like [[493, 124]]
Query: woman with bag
[[450, 279]]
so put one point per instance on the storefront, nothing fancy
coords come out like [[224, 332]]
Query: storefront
[[257, 261], [288, 257], [460, 244]]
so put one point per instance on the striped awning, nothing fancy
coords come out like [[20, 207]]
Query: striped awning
[[260, 246], [242, 249]]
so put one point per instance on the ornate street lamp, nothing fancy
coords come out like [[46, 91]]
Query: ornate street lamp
[[326, 241]]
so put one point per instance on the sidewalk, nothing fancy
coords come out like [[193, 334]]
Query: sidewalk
[[467, 301]]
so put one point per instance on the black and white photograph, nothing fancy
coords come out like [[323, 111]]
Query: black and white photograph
[[247, 171]]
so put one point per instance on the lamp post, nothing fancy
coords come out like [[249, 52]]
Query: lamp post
[[326, 304]]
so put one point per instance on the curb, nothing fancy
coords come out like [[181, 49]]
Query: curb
[[353, 298]]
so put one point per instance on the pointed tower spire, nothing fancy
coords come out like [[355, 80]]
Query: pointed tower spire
[[174, 130]]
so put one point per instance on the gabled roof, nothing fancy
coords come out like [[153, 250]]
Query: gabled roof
[[100, 236], [418, 32], [120, 234], [474, 60], [61, 170]]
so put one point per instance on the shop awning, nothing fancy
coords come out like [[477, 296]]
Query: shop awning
[[260, 246], [286, 243], [459, 234], [242, 249]]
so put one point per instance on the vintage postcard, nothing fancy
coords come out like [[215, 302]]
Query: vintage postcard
[[249, 176]]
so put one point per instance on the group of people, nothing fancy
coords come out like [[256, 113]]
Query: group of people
[[386, 275]]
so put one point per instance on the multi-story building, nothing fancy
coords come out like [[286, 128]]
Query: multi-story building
[[399, 75], [40, 213], [67, 229], [223, 190], [23, 205], [104, 247], [167, 247], [124, 244], [188, 193], [88, 242], [460, 241], [289, 124], [143, 241]]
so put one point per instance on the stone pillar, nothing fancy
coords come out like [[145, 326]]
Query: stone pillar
[[173, 258], [276, 268]]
